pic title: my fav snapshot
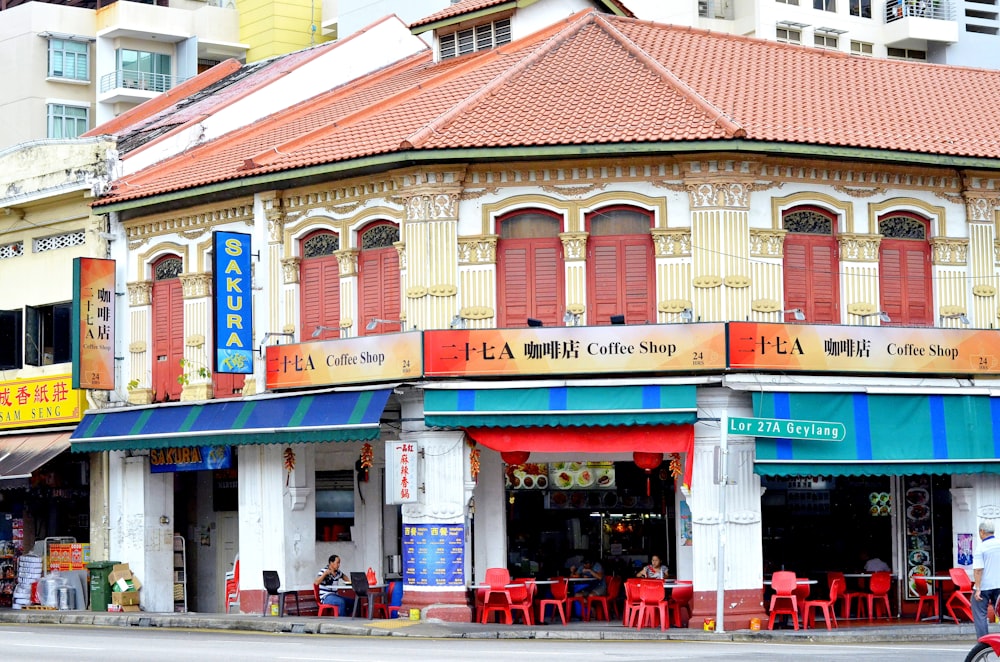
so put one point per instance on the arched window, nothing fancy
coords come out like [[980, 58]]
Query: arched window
[[168, 328], [529, 269], [378, 277], [319, 285], [905, 269], [812, 264], [620, 266]]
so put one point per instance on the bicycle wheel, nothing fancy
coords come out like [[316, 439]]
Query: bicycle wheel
[[981, 653]]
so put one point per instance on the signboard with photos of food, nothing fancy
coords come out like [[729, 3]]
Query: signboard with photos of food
[[919, 533], [528, 476], [582, 475]]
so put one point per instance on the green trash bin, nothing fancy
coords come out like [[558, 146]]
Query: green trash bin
[[100, 589]]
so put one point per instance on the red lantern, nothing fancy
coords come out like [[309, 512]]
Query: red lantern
[[647, 462], [515, 457]]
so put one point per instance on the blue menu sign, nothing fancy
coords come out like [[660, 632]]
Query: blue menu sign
[[434, 554]]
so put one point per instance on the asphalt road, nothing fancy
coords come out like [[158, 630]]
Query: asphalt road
[[84, 643]]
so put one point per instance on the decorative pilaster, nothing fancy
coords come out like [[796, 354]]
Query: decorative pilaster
[[430, 230], [140, 301], [720, 226], [477, 258], [984, 309]]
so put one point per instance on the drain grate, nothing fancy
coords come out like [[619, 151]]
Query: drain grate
[[144, 622], [298, 628]]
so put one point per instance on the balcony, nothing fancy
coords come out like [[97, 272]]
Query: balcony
[[721, 9], [123, 86], [914, 23]]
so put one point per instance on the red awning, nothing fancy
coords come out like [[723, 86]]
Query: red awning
[[624, 439]]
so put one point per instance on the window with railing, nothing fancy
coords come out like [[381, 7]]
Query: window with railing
[[142, 70], [69, 59], [942, 10], [66, 121]]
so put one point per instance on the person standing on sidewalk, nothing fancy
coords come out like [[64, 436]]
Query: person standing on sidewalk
[[985, 575]]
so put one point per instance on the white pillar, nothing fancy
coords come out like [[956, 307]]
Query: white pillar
[[142, 527]]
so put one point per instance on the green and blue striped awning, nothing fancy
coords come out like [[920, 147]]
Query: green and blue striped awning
[[563, 406], [886, 434], [347, 416]]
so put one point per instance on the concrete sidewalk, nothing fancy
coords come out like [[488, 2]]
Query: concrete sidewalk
[[593, 630]]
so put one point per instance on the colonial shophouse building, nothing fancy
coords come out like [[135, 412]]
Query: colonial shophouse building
[[565, 233]]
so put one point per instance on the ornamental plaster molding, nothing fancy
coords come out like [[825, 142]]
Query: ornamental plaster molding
[[347, 259], [574, 191], [400, 247], [477, 250], [574, 245], [190, 225], [949, 251], [476, 312], [735, 195], [195, 340], [859, 192], [196, 286], [343, 198], [274, 212], [290, 270], [140, 293], [767, 243], [979, 209], [432, 207], [137, 347], [859, 247], [672, 242]]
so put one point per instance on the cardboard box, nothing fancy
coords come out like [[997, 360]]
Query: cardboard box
[[125, 598]]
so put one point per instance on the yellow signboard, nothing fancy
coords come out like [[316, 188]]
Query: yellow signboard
[[40, 401]]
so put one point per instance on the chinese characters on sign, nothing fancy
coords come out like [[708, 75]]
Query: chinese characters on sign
[[575, 350], [862, 349], [93, 324], [345, 361], [401, 472], [434, 554], [41, 401]]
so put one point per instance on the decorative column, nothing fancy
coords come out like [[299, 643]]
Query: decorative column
[[430, 236], [741, 526], [140, 304], [983, 252], [196, 373], [673, 272], [859, 265], [444, 488], [477, 258], [141, 507], [575, 261], [719, 195]]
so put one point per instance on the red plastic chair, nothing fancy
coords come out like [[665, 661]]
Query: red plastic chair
[[497, 598], [960, 599], [605, 602], [481, 602], [878, 594], [784, 600], [322, 609], [633, 603], [654, 604], [846, 596], [680, 598], [828, 607], [522, 595], [560, 593], [922, 589]]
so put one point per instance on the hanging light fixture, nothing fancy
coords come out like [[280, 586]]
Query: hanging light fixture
[[647, 462], [515, 457]]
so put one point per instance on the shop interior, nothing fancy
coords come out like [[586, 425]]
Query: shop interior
[[610, 512], [815, 524]]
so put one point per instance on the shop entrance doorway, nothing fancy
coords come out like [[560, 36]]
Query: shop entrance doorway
[[599, 510]]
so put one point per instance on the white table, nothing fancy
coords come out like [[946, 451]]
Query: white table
[[940, 596]]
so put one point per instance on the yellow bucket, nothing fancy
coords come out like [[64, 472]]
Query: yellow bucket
[[709, 624], [754, 623], [414, 614]]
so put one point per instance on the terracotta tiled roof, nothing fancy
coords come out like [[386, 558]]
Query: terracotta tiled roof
[[599, 80], [469, 6]]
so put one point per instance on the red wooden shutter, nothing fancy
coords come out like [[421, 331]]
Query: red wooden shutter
[[811, 277], [530, 282], [379, 289], [621, 279], [168, 339], [905, 282], [319, 285]]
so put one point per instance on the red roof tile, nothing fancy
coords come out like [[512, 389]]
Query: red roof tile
[[596, 79]]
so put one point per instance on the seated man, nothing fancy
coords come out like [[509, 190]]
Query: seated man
[[328, 579], [594, 571]]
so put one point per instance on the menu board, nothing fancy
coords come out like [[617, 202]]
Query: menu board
[[919, 532], [434, 554], [560, 476]]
